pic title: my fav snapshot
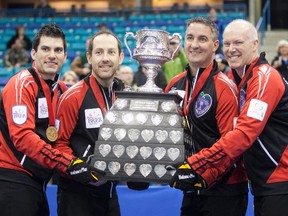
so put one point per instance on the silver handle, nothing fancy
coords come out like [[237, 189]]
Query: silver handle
[[126, 44], [180, 43]]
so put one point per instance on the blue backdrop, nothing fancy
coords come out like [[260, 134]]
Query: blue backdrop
[[157, 200]]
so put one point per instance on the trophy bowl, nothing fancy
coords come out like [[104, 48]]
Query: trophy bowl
[[151, 51]]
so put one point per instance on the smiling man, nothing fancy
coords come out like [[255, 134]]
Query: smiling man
[[260, 132], [28, 130], [209, 106], [80, 114]]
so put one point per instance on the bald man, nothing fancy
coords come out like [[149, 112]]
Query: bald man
[[260, 132]]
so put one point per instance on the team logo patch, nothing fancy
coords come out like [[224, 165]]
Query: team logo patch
[[93, 118], [19, 114], [242, 98], [203, 104], [257, 109], [42, 108]]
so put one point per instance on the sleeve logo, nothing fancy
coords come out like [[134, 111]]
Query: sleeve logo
[[257, 109], [19, 114]]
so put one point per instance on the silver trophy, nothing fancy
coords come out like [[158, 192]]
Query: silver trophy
[[151, 51], [142, 133]]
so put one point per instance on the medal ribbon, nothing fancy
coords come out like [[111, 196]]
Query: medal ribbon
[[243, 80], [198, 86], [97, 92], [51, 102]]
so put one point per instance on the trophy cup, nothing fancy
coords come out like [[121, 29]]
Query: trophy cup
[[142, 133], [152, 51]]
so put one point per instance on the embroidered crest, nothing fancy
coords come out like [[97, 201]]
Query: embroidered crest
[[93, 118], [242, 98], [203, 104], [19, 114]]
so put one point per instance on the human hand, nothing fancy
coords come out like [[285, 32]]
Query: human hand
[[186, 179], [84, 173]]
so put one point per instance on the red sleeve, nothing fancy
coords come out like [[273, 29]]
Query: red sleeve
[[21, 92], [265, 89], [174, 80], [227, 107], [67, 115]]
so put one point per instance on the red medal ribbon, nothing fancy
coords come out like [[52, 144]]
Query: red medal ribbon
[[51, 102], [244, 78], [98, 94]]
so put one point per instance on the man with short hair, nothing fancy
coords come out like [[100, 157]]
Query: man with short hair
[[28, 131], [209, 108], [260, 132], [80, 114]]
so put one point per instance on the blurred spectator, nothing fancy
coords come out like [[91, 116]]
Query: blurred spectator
[[222, 63], [102, 26], [20, 34], [43, 9], [140, 78], [70, 78], [125, 73], [220, 25], [16, 56], [177, 65], [175, 7], [80, 64], [280, 62]]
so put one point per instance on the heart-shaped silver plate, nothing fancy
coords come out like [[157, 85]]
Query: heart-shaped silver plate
[[104, 149], [118, 150], [145, 152], [160, 170], [131, 151], [145, 169], [173, 153], [106, 133], [159, 152], [129, 168], [114, 167]]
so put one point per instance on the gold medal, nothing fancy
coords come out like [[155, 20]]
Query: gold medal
[[51, 133], [185, 123]]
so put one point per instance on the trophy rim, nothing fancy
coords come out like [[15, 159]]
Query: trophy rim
[[158, 30]]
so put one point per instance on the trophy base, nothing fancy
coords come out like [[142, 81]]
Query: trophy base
[[140, 136]]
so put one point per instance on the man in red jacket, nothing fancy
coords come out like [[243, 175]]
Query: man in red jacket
[[28, 130], [260, 133], [80, 114], [210, 106]]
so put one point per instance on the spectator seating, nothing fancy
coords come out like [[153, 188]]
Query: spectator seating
[[78, 29]]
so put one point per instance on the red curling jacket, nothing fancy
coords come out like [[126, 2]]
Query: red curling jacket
[[211, 113], [80, 114], [26, 155], [260, 133]]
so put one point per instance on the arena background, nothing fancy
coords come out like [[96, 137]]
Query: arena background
[[80, 18]]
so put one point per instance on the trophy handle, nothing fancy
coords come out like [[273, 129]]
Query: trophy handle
[[126, 44], [180, 44]]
